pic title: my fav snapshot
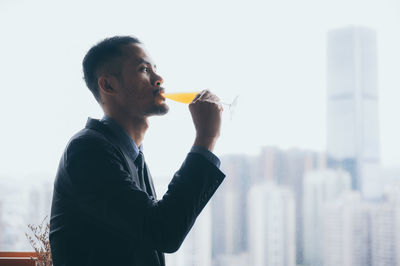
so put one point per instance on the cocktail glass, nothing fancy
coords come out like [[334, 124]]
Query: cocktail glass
[[187, 97]]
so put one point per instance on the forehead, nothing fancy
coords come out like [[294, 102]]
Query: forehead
[[136, 54]]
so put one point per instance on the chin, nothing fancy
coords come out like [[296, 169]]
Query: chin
[[161, 109]]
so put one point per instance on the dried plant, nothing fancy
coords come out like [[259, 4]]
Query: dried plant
[[39, 240]]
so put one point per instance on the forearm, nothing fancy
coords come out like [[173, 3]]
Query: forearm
[[188, 193]]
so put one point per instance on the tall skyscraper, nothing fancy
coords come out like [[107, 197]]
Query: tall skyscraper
[[319, 187], [271, 226], [352, 103]]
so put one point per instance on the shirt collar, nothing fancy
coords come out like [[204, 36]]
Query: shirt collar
[[122, 136]]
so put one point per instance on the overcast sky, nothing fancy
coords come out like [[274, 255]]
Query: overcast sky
[[271, 53]]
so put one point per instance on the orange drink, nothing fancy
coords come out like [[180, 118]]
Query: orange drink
[[182, 97], [187, 97]]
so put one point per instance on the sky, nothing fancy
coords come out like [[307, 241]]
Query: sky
[[271, 53]]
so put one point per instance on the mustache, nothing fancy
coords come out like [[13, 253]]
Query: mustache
[[158, 90]]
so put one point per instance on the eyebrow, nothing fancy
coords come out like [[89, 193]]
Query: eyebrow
[[142, 61]]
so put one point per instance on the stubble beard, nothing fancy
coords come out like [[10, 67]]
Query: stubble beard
[[157, 110]]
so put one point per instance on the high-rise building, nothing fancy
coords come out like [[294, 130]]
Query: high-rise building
[[361, 232], [346, 232], [229, 208], [196, 248], [352, 105], [287, 168], [39, 203], [271, 226], [14, 198], [319, 187], [385, 233], [238, 259]]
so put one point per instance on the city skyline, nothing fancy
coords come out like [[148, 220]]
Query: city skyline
[[329, 189]]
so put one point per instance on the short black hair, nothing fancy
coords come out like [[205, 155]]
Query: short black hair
[[101, 57]]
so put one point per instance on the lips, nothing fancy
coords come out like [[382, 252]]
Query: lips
[[159, 92]]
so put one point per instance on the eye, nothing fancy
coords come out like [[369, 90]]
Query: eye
[[144, 69]]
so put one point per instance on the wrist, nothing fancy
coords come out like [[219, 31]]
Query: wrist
[[205, 142]]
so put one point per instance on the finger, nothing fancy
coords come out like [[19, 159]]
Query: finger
[[204, 94], [210, 97], [214, 98], [198, 96]]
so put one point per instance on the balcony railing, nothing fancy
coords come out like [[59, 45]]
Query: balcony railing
[[17, 258]]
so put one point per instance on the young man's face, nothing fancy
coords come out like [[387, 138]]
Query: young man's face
[[139, 86]]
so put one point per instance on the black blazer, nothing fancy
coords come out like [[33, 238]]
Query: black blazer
[[99, 214]]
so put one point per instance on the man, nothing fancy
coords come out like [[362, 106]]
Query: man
[[104, 209]]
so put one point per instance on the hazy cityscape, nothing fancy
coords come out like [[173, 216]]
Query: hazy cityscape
[[284, 207]]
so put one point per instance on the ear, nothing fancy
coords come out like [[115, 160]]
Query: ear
[[107, 84]]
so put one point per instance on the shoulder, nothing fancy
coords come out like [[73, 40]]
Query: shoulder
[[89, 142], [89, 154]]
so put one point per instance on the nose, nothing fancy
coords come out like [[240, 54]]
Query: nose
[[158, 81]]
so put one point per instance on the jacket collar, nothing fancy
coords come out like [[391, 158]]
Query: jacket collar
[[116, 134], [113, 137], [122, 136]]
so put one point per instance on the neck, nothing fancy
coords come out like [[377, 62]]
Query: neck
[[135, 126]]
